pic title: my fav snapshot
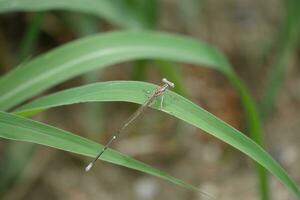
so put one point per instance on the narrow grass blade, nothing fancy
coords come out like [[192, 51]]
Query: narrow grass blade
[[286, 42], [115, 11], [175, 105], [31, 36], [14, 127], [103, 50], [16, 156], [100, 51]]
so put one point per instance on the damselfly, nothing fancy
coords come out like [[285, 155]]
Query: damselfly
[[159, 91]]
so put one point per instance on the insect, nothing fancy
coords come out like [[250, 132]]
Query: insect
[[159, 91]]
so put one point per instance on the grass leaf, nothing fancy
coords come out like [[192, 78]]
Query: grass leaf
[[100, 51], [175, 105], [14, 127], [106, 49], [115, 11], [286, 43]]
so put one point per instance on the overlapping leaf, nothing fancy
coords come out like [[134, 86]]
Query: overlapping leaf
[[175, 105], [14, 127]]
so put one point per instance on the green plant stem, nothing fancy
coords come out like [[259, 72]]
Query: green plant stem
[[31, 35], [254, 128], [286, 41], [273, 85]]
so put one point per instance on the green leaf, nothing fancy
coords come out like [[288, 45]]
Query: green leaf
[[103, 50], [14, 127], [175, 105], [285, 43], [31, 36], [100, 51], [115, 11]]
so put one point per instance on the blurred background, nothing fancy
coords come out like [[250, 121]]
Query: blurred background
[[260, 39]]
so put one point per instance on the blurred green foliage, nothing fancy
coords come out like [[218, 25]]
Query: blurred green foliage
[[144, 15]]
